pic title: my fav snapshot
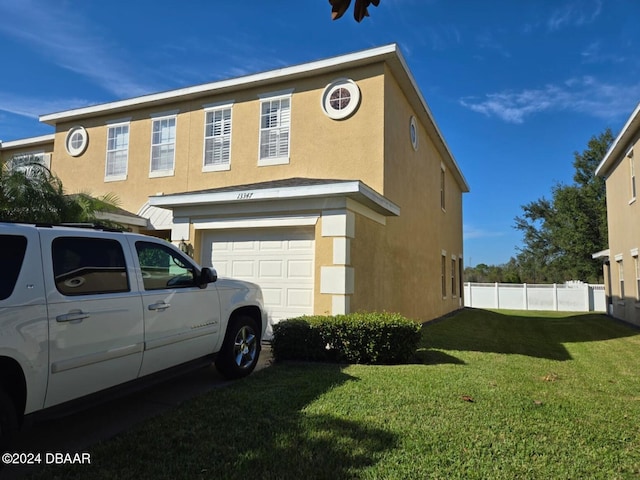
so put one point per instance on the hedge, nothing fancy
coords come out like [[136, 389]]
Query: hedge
[[371, 338]]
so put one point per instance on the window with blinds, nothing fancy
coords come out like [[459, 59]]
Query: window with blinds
[[275, 123], [22, 161], [117, 152], [163, 143], [217, 140]]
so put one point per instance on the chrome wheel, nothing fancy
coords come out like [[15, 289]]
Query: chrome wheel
[[245, 347], [240, 349]]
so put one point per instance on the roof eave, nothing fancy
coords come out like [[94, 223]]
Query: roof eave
[[464, 185], [620, 145], [27, 142], [355, 190], [388, 53], [278, 75]]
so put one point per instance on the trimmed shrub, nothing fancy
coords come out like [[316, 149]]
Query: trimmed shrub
[[375, 338]]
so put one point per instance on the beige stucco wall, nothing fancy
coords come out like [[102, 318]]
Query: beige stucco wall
[[424, 230], [396, 260], [623, 214], [320, 147]]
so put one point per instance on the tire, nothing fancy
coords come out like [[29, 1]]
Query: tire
[[240, 350], [8, 422]]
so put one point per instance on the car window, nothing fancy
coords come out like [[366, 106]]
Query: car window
[[162, 267], [86, 266], [12, 250]]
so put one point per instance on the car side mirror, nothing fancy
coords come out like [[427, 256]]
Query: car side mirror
[[207, 276]]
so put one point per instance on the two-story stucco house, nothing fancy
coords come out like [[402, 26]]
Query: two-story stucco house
[[622, 263], [327, 183]]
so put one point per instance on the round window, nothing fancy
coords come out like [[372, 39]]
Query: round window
[[77, 141], [340, 98], [413, 133]]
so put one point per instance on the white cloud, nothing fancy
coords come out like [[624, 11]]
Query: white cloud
[[34, 107], [595, 53], [585, 95], [575, 13], [488, 41], [69, 41], [471, 232]]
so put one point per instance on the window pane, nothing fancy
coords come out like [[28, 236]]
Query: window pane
[[12, 250], [217, 145], [163, 144], [21, 161], [85, 266], [163, 268], [117, 150], [274, 133]]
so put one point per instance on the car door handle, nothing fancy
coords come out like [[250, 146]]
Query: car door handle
[[159, 306], [75, 316]]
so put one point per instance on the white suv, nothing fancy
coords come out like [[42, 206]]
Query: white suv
[[84, 310]]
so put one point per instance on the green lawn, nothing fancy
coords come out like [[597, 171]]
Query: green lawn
[[491, 395]]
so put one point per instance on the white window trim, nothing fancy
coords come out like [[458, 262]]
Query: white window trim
[[212, 107], [84, 137], [621, 282], [443, 274], [268, 97], [413, 133], [354, 100], [454, 279], [167, 172], [636, 266], [117, 178], [632, 177], [443, 187]]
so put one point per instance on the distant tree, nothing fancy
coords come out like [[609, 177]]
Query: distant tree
[[511, 272], [32, 193], [360, 10], [560, 234], [483, 273]]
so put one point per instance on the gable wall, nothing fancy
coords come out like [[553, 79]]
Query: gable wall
[[623, 218], [406, 266]]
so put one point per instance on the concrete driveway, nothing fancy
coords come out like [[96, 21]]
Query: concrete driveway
[[76, 432]]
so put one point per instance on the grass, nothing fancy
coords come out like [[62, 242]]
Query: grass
[[498, 395]]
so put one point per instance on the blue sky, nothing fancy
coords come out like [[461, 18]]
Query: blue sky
[[515, 87]]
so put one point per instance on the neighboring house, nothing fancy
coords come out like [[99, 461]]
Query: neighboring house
[[18, 153], [621, 261], [327, 183]]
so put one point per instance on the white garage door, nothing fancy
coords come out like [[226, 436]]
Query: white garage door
[[280, 260]]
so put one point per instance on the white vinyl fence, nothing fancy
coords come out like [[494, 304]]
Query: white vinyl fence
[[568, 297]]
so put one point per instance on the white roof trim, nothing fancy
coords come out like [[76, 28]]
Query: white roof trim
[[25, 142], [206, 88], [387, 52], [431, 118], [602, 254], [619, 143], [373, 199]]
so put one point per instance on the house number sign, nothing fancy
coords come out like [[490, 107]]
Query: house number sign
[[244, 195]]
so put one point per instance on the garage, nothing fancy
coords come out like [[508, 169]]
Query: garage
[[280, 260]]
